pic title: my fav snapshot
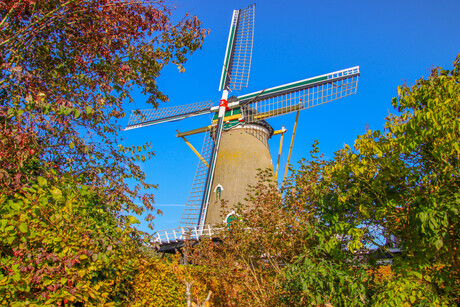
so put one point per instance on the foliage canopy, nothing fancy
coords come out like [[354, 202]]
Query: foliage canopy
[[325, 239], [66, 68]]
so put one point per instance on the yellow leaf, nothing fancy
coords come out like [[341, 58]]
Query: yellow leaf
[[3, 281]]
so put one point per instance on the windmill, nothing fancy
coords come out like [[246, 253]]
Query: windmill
[[236, 141]]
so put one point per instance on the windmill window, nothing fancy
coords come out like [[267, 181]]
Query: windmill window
[[218, 190], [218, 193], [230, 217]]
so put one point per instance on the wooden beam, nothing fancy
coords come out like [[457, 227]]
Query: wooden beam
[[279, 111], [194, 150], [290, 148], [281, 131], [207, 128], [230, 117], [194, 131]]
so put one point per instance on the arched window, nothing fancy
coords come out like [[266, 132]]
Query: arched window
[[229, 219], [218, 193], [218, 190]]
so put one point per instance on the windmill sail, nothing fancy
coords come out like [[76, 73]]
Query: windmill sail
[[142, 118], [246, 113], [211, 169], [237, 61], [191, 213], [298, 95], [235, 74]]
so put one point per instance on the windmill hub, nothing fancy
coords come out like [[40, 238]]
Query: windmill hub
[[224, 103]]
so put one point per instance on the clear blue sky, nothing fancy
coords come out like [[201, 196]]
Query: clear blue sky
[[393, 42]]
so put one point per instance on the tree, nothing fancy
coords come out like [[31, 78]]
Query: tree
[[59, 245], [66, 68], [260, 257], [403, 183], [323, 238]]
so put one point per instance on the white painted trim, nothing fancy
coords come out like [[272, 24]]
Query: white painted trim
[[294, 85], [252, 126], [217, 186], [228, 215]]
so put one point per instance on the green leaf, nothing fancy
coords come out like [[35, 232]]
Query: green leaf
[[42, 181], [88, 110], [456, 146], [16, 277], [47, 282], [423, 216], [132, 219], [16, 206], [3, 225], [438, 244], [23, 227], [76, 113], [57, 195]]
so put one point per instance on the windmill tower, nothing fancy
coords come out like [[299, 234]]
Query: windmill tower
[[236, 141]]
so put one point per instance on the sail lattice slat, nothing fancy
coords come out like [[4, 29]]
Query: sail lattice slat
[[303, 94], [142, 118], [191, 213], [240, 64], [237, 60]]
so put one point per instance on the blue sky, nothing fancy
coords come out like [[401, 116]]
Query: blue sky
[[393, 42]]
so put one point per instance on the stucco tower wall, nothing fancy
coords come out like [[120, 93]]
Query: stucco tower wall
[[242, 150]]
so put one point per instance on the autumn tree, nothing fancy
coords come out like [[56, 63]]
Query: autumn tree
[[247, 265], [399, 188], [323, 239], [66, 68]]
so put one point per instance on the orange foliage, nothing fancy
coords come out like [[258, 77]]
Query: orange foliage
[[381, 273]]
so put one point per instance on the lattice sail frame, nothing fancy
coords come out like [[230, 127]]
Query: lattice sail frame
[[256, 106], [238, 55], [299, 95], [267, 103], [143, 118], [191, 214]]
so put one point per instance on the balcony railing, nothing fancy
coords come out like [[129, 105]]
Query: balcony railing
[[183, 233]]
